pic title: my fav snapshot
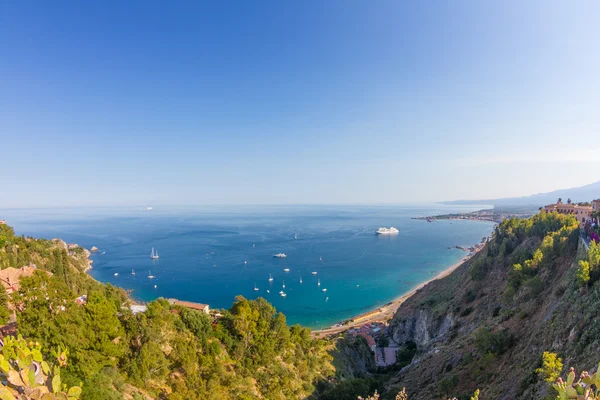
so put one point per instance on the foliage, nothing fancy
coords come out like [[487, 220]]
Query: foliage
[[583, 273], [4, 311], [26, 376], [498, 342], [551, 367], [558, 234], [171, 352]]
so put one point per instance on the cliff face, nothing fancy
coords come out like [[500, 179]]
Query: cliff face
[[421, 326], [474, 332]]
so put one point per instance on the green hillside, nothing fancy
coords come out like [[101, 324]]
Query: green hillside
[[166, 352]]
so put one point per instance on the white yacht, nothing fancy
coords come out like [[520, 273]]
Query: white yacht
[[268, 291], [154, 254], [116, 274], [280, 255], [255, 288], [283, 294], [323, 290], [150, 276], [314, 272], [270, 278], [387, 231], [286, 270]]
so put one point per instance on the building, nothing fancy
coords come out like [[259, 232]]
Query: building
[[581, 213], [370, 341], [72, 246], [596, 209], [188, 304], [138, 308], [2, 222], [10, 277]]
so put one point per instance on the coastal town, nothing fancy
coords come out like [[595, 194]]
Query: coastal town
[[496, 214]]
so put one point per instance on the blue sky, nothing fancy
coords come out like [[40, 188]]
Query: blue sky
[[266, 102]]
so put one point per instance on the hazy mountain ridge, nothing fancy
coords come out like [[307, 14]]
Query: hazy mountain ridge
[[577, 194]]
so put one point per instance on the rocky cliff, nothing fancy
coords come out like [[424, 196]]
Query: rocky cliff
[[485, 326]]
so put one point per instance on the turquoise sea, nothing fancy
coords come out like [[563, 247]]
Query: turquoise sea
[[212, 254]]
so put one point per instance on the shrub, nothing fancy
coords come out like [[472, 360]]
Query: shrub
[[466, 311], [583, 273], [493, 342], [551, 367]]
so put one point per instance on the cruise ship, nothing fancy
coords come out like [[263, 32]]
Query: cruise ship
[[387, 231]]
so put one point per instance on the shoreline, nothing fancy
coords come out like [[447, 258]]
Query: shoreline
[[387, 311]]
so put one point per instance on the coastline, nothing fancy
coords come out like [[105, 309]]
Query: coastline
[[387, 311]]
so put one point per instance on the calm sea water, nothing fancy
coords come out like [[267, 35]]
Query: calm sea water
[[212, 254]]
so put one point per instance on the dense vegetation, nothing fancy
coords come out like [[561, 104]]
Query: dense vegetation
[[166, 352]]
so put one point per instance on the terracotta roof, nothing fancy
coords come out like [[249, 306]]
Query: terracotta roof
[[10, 277], [189, 304], [370, 340]]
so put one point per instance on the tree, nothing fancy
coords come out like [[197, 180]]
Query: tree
[[4, 311], [559, 200], [569, 200], [551, 367], [583, 273]]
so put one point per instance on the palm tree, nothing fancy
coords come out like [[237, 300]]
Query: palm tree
[[569, 200], [559, 200]]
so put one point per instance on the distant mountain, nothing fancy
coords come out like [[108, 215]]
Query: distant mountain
[[583, 193]]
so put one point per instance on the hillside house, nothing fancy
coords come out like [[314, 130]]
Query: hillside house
[[582, 213], [191, 305], [10, 277]]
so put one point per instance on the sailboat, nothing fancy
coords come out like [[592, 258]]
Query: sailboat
[[284, 284], [153, 254], [132, 272], [318, 282], [150, 276], [270, 278], [255, 288], [321, 259], [300, 279], [295, 237]]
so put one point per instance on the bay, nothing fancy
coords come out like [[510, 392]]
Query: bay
[[212, 254]]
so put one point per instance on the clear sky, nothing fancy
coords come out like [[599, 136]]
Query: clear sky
[[341, 101]]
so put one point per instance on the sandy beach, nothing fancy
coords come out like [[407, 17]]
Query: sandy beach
[[387, 311]]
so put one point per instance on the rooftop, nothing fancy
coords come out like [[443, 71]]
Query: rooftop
[[10, 277], [188, 304]]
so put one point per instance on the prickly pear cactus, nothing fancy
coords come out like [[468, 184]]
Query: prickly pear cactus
[[24, 375], [587, 386]]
